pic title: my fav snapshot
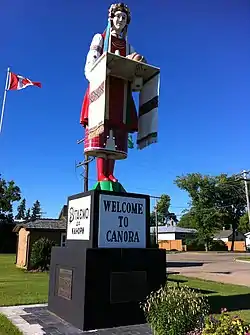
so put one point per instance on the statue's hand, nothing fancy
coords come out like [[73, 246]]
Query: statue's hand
[[137, 57]]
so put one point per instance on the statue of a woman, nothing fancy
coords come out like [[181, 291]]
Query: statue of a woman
[[122, 115]]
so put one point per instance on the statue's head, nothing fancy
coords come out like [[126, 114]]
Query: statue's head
[[119, 15]]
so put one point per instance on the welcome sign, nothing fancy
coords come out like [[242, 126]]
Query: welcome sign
[[122, 222], [78, 227]]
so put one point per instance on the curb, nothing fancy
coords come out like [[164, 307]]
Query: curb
[[5, 308], [241, 261]]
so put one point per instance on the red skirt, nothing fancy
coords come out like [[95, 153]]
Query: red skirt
[[112, 143]]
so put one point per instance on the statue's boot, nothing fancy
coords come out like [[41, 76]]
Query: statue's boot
[[101, 164], [110, 170]]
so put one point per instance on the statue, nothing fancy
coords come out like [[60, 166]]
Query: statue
[[108, 111]]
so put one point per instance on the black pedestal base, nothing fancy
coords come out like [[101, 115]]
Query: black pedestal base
[[102, 288]]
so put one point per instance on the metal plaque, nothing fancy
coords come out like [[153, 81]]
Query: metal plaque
[[64, 288], [128, 286]]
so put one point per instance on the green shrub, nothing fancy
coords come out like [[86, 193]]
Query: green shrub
[[218, 246], [41, 254], [225, 324], [194, 245], [175, 311]]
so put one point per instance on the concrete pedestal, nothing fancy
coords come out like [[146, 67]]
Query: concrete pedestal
[[103, 287], [107, 267]]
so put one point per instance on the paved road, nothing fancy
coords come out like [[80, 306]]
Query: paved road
[[219, 267]]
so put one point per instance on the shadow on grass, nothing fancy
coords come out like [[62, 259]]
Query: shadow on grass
[[205, 292], [183, 264], [230, 302]]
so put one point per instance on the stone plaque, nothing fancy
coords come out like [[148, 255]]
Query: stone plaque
[[64, 288], [128, 286]]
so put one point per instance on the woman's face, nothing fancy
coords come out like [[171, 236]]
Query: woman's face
[[119, 21]]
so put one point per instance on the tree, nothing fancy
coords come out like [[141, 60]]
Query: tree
[[41, 254], [232, 201], [36, 211], [21, 210], [27, 214], [244, 226], [161, 209], [200, 189], [188, 221], [9, 193], [216, 202]]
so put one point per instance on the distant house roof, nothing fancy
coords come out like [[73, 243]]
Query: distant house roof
[[47, 224], [173, 229], [223, 234]]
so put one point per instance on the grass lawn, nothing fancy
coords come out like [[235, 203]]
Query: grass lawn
[[7, 328], [18, 287], [233, 297], [244, 258]]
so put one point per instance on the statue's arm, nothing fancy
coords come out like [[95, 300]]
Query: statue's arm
[[94, 53]]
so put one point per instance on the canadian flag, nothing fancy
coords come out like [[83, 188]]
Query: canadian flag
[[17, 82]]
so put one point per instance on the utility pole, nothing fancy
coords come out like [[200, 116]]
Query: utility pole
[[85, 164], [245, 174], [156, 216], [156, 223], [86, 175]]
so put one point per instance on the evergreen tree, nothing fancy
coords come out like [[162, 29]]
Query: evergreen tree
[[36, 211], [27, 214], [21, 210]]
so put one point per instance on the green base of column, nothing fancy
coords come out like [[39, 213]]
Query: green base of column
[[109, 186]]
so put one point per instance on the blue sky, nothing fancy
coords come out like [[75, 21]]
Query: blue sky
[[203, 50]]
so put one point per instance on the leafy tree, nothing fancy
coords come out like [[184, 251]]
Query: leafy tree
[[200, 189], [21, 210], [232, 201], [36, 211], [9, 193], [187, 221], [244, 226], [162, 210], [216, 202]]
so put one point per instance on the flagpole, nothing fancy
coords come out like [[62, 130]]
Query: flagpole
[[4, 99]]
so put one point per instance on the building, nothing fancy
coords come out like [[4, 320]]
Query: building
[[171, 233], [247, 236], [30, 231], [171, 237], [227, 236]]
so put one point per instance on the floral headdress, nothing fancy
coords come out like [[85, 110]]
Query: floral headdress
[[119, 7]]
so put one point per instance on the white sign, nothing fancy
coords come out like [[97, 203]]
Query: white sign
[[78, 227], [122, 222]]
